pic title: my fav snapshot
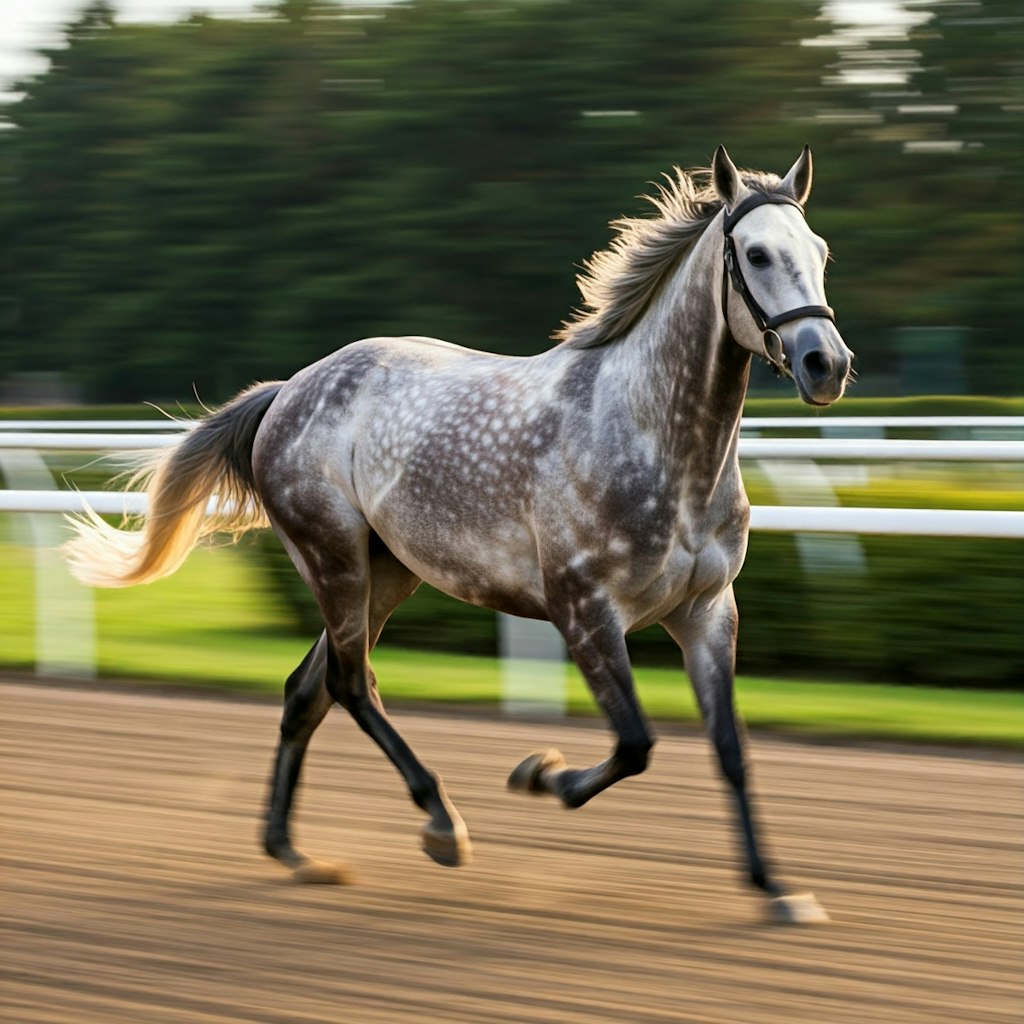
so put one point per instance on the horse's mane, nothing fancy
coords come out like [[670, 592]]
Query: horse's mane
[[618, 283]]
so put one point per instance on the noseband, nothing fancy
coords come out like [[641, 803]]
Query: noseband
[[774, 353]]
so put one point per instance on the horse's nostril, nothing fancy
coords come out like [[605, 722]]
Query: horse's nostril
[[817, 364]]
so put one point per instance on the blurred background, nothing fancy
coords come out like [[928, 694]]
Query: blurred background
[[191, 202], [214, 200]]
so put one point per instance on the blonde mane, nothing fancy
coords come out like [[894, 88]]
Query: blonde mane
[[618, 283]]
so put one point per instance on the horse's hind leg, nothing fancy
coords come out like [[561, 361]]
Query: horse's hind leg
[[353, 684], [306, 703], [357, 582]]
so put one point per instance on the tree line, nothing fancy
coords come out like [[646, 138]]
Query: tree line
[[217, 201]]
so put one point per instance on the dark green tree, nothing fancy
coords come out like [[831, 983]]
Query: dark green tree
[[217, 201]]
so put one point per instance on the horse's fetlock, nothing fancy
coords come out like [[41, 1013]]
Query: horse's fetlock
[[426, 794], [573, 798], [276, 843], [635, 756], [567, 786]]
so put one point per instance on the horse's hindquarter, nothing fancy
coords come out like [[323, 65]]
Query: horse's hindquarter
[[431, 445]]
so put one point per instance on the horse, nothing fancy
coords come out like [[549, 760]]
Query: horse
[[595, 485]]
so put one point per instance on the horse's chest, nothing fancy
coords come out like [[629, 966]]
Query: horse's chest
[[687, 573], [710, 567]]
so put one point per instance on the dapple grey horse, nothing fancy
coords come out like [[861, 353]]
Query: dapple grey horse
[[595, 485]]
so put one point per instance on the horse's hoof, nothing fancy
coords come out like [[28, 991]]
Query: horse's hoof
[[447, 848], [318, 872], [797, 908], [527, 776]]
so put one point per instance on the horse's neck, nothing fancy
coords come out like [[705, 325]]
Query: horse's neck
[[689, 377]]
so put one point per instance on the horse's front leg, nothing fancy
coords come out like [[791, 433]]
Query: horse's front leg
[[708, 642], [598, 646]]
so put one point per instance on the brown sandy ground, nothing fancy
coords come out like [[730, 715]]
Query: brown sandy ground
[[134, 891]]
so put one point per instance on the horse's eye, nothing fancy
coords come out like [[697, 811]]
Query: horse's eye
[[758, 257]]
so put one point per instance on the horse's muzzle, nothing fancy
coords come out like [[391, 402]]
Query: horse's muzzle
[[820, 362]]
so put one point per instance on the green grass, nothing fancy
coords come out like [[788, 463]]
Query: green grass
[[214, 624], [809, 708]]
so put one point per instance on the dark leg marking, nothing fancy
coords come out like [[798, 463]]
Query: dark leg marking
[[306, 704], [598, 646], [710, 655], [377, 585], [352, 684], [709, 652]]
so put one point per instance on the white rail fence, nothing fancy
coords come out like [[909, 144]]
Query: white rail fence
[[532, 652], [869, 425]]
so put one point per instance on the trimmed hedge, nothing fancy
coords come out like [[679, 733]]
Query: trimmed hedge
[[919, 405], [930, 610], [784, 405]]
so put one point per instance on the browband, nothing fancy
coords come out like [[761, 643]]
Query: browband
[[732, 217]]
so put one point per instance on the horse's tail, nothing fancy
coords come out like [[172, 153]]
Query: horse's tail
[[212, 461]]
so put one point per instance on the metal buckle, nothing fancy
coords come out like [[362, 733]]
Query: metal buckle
[[775, 353]]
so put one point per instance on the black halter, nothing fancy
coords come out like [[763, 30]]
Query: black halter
[[774, 353]]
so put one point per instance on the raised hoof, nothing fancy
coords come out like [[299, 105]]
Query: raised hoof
[[318, 872], [797, 908], [527, 776], [449, 849]]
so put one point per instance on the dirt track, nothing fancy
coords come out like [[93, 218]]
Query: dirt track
[[135, 891]]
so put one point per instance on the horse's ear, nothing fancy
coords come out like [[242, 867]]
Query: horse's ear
[[726, 177], [798, 180]]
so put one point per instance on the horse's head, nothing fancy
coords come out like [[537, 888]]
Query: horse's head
[[773, 290]]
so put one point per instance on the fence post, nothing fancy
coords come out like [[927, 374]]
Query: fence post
[[533, 667], [65, 628]]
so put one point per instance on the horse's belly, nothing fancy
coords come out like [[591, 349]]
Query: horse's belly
[[492, 567]]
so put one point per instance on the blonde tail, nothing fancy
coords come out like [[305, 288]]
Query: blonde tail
[[212, 461]]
